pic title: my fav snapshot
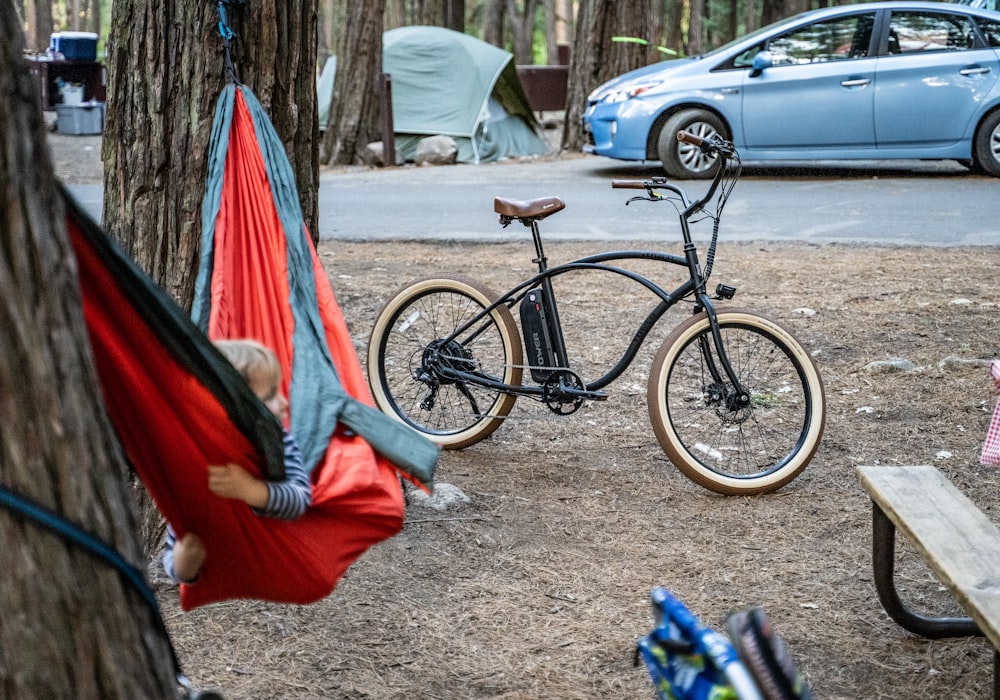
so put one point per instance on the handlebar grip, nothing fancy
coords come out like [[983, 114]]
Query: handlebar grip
[[628, 184], [687, 137]]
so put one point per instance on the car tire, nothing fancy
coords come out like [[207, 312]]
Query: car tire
[[681, 160], [986, 149]]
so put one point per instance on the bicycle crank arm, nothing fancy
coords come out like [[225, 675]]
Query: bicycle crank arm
[[577, 393]]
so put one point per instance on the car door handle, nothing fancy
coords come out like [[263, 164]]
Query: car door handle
[[974, 70], [730, 91], [856, 82]]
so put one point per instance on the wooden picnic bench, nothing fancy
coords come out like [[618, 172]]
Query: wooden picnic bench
[[952, 535]]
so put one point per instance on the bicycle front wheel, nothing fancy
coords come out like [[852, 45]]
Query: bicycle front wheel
[[724, 444], [412, 360]]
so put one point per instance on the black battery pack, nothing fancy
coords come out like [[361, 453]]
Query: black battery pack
[[537, 341]]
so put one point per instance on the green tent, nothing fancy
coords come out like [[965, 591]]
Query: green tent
[[446, 82], [449, 83]]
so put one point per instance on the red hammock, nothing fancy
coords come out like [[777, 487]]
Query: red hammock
[[177, 406]]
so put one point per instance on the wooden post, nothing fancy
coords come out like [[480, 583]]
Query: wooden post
[[388, 137]]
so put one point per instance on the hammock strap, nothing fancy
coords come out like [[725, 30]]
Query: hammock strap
[[68, 530], [228, 35]]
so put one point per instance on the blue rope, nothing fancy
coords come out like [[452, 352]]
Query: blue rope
[[227, 34], [77, 535]]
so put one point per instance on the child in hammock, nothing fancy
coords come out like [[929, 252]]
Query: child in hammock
[[288, 499]]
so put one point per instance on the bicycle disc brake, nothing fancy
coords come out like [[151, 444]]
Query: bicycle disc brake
[[727, 403], [563, 392]]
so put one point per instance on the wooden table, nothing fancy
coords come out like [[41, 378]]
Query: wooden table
[[955, 538]]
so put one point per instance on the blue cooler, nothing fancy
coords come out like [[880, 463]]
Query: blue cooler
[[75, 46]]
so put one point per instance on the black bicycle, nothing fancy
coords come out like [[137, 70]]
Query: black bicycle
[[736, 402]]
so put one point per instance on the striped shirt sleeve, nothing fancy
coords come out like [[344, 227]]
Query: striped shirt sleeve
[[289, 499]]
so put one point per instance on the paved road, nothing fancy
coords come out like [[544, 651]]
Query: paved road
[[923, 204], [898, 203]]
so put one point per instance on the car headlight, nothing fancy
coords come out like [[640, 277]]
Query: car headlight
[[626, 93]]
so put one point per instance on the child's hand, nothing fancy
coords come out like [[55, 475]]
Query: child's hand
[[189, 556], [233, 481]]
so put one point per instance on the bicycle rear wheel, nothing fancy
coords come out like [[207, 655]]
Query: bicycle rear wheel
[[409, 360], [714, 441]]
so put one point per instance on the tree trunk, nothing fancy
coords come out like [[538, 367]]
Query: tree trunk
[[564, 21], [70, 624], [429, 12], [493, 22], [597, 59], [165, 66], [395, 14], [674, 36], [771, 11], [522, 26], [354, 108], [695, 24], [551, 33], [43, 23], [750, 14], [95, 17], [455, 15]]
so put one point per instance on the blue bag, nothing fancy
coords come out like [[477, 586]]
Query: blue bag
[[688, 661]]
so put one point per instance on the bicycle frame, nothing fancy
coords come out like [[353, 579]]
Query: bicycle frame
[[694, 285]]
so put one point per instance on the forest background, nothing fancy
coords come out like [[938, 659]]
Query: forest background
[[529, 29]]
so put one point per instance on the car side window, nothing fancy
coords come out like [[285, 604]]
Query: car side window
[[991, 30], [915, 32], [745, 59], [831, 40]]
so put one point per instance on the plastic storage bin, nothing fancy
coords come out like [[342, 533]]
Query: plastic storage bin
[[75, 46], [86, 118]]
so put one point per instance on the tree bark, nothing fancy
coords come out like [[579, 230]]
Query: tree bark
[[522, 25], [395, 14], [695, 25], [165, 66], [70, 625], [455, 15], [354, 108], [597, 59], [493, 22], [429, 12], [750, 14], [674, 37], [95, 17], [771, 11], [551, 32], [43, 24]]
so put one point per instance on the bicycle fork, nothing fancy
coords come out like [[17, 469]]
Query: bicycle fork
[[735, 398]]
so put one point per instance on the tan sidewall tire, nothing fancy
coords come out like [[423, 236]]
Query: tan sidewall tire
[[671, 443], [508, 332]]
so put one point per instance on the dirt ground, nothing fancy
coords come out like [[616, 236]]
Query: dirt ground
[[539, 586]]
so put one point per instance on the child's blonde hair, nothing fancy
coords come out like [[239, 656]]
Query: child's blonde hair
[[248, 355]]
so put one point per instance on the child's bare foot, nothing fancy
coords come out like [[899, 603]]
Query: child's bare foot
[[189, 555]]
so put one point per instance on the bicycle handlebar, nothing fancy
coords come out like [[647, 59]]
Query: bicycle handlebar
[[688, 137], [628, 184], [714, 145], [710, 146]]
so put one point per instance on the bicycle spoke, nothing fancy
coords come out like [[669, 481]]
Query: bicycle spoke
[[431, 338], [735, 441]]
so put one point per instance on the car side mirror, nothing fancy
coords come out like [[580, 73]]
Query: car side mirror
[[761, 61]]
